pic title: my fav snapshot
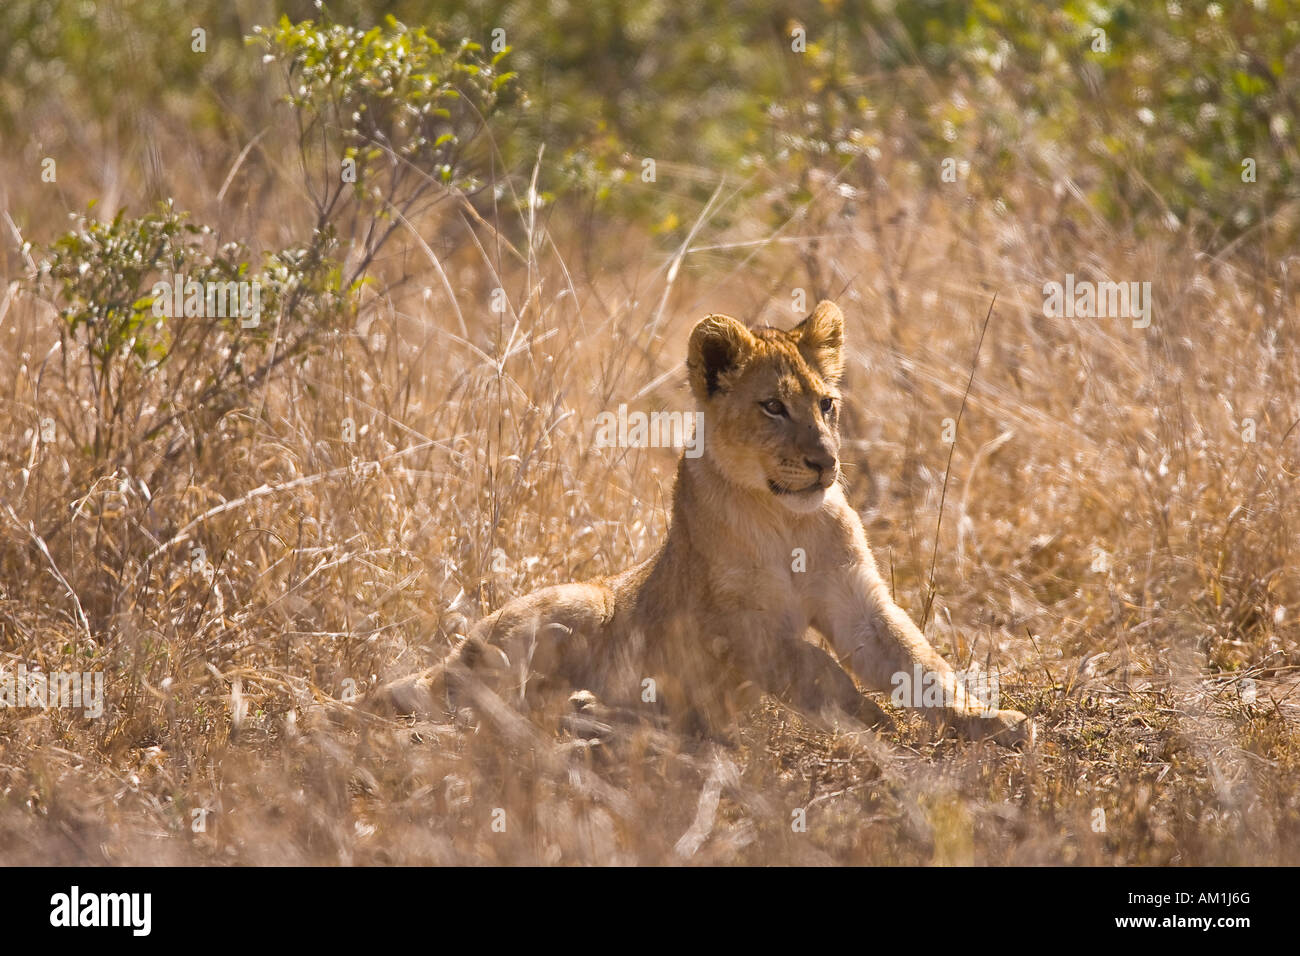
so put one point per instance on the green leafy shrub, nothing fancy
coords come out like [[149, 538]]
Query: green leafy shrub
[[1151, 126], [150, 366], [103, 275], [388, 112], [393, 102], [1150, 111]]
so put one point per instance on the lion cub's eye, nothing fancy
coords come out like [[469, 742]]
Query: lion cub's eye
[[828, 405], [773, 407]]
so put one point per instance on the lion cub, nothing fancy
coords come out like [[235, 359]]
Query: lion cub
[[720, 613]]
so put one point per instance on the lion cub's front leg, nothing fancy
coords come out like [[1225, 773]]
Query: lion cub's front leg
[[807, 678], [876, 639]]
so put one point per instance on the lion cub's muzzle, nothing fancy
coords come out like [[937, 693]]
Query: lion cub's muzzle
[[827, 468], [813, 473]]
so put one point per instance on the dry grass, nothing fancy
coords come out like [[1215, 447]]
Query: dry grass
[[1110, 545]]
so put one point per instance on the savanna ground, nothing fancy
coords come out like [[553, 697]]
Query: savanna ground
[[184, 512]]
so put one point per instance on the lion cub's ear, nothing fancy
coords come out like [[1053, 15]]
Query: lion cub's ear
[[719, 346], [821, 339]]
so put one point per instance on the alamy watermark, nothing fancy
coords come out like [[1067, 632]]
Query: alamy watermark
[[75, 909], [240, 299], [624, 429], [935, 689], [23, 688], [1084, 299]]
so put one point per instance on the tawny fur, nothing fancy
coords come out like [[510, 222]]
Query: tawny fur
[[720, 614]]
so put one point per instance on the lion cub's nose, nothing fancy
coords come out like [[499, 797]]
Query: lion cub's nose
[[820, 463]]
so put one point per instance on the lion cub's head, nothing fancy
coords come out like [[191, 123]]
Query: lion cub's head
[[771, 403]]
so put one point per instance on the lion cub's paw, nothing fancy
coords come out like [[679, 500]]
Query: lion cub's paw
[[1015, 729], [1019, 730], [1010, 728]]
